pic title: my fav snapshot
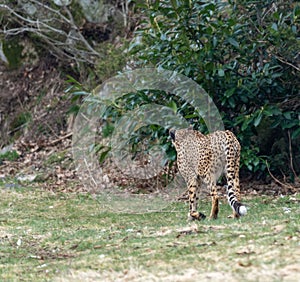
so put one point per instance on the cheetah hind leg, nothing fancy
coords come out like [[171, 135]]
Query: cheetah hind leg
[[215, 202], [193, 199], [214, 208]]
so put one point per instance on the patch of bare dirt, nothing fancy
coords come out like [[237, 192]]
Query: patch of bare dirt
[[34, 122], [289, 273], [33, 104]]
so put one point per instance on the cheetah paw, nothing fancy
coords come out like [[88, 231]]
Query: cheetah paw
[[196, 216]]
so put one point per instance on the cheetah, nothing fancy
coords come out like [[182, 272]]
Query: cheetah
[[201, 160]]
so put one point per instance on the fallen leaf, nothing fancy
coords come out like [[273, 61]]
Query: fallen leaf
[[19, 242], [193, 229], [247, 264], [279, 228]]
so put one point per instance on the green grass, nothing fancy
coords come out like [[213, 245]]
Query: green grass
[[48, 236], [9, 156]]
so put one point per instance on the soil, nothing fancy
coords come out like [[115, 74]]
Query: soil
[[34, 121], [33, 104]]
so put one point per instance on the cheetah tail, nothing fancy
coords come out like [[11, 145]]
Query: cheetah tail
[[239, 208]]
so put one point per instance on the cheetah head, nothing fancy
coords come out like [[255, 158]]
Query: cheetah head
[[172, 134], [180, 134]]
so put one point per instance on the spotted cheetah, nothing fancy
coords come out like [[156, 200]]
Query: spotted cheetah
[[201, 160]]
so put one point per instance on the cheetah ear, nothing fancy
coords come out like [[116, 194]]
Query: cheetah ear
[[172, 134]]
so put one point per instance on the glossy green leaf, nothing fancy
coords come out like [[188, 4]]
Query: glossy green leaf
[[233, 42]]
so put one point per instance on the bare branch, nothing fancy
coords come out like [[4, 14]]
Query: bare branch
[[287, 63], [80, 35], [69, 44], [284, 185], [291, 155]]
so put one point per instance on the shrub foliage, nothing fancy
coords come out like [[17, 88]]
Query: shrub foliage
[[245, 54]]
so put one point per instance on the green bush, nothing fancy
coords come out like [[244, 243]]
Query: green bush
[[245, 54]]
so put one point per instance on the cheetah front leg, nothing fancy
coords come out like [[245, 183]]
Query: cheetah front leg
[[193, 200]]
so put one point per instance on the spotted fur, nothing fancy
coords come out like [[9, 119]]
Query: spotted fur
[[201, 160]]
